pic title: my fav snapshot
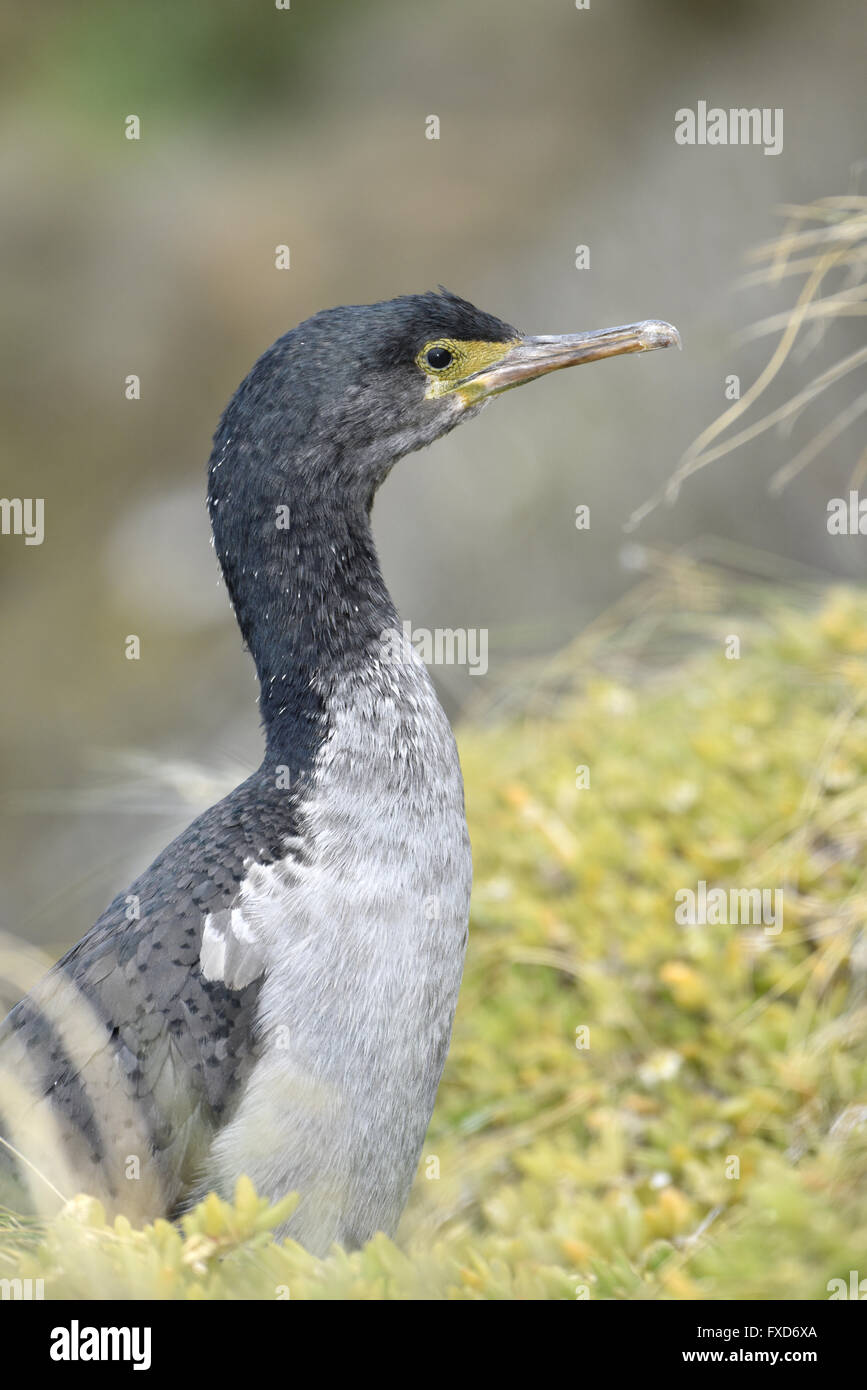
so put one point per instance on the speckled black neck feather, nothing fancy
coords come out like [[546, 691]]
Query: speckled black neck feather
[[300, 451], [307, 592]]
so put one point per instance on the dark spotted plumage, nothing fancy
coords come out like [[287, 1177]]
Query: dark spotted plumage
[[182, 1043]]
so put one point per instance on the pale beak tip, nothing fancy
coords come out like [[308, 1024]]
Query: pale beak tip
[[656, 333]]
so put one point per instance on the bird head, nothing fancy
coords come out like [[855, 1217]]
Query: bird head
[[345, 394]]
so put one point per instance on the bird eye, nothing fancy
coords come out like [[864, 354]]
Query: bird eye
[[439, 357]]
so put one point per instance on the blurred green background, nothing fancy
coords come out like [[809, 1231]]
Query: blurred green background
[[307, 127]]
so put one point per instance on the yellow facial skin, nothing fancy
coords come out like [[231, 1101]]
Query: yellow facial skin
[[477, 370], [467, 359]]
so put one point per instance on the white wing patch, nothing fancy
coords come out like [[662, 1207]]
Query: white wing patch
[[236, 942], [230, 949]]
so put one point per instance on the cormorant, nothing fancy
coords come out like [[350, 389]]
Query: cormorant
[[274, 995]]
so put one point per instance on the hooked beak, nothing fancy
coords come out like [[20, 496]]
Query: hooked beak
[[532, 357]]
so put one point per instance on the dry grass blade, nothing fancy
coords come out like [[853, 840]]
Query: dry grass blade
[[835, 427], [837, 244], [832, 306]]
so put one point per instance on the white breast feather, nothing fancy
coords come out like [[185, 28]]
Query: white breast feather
[[361, 949]]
